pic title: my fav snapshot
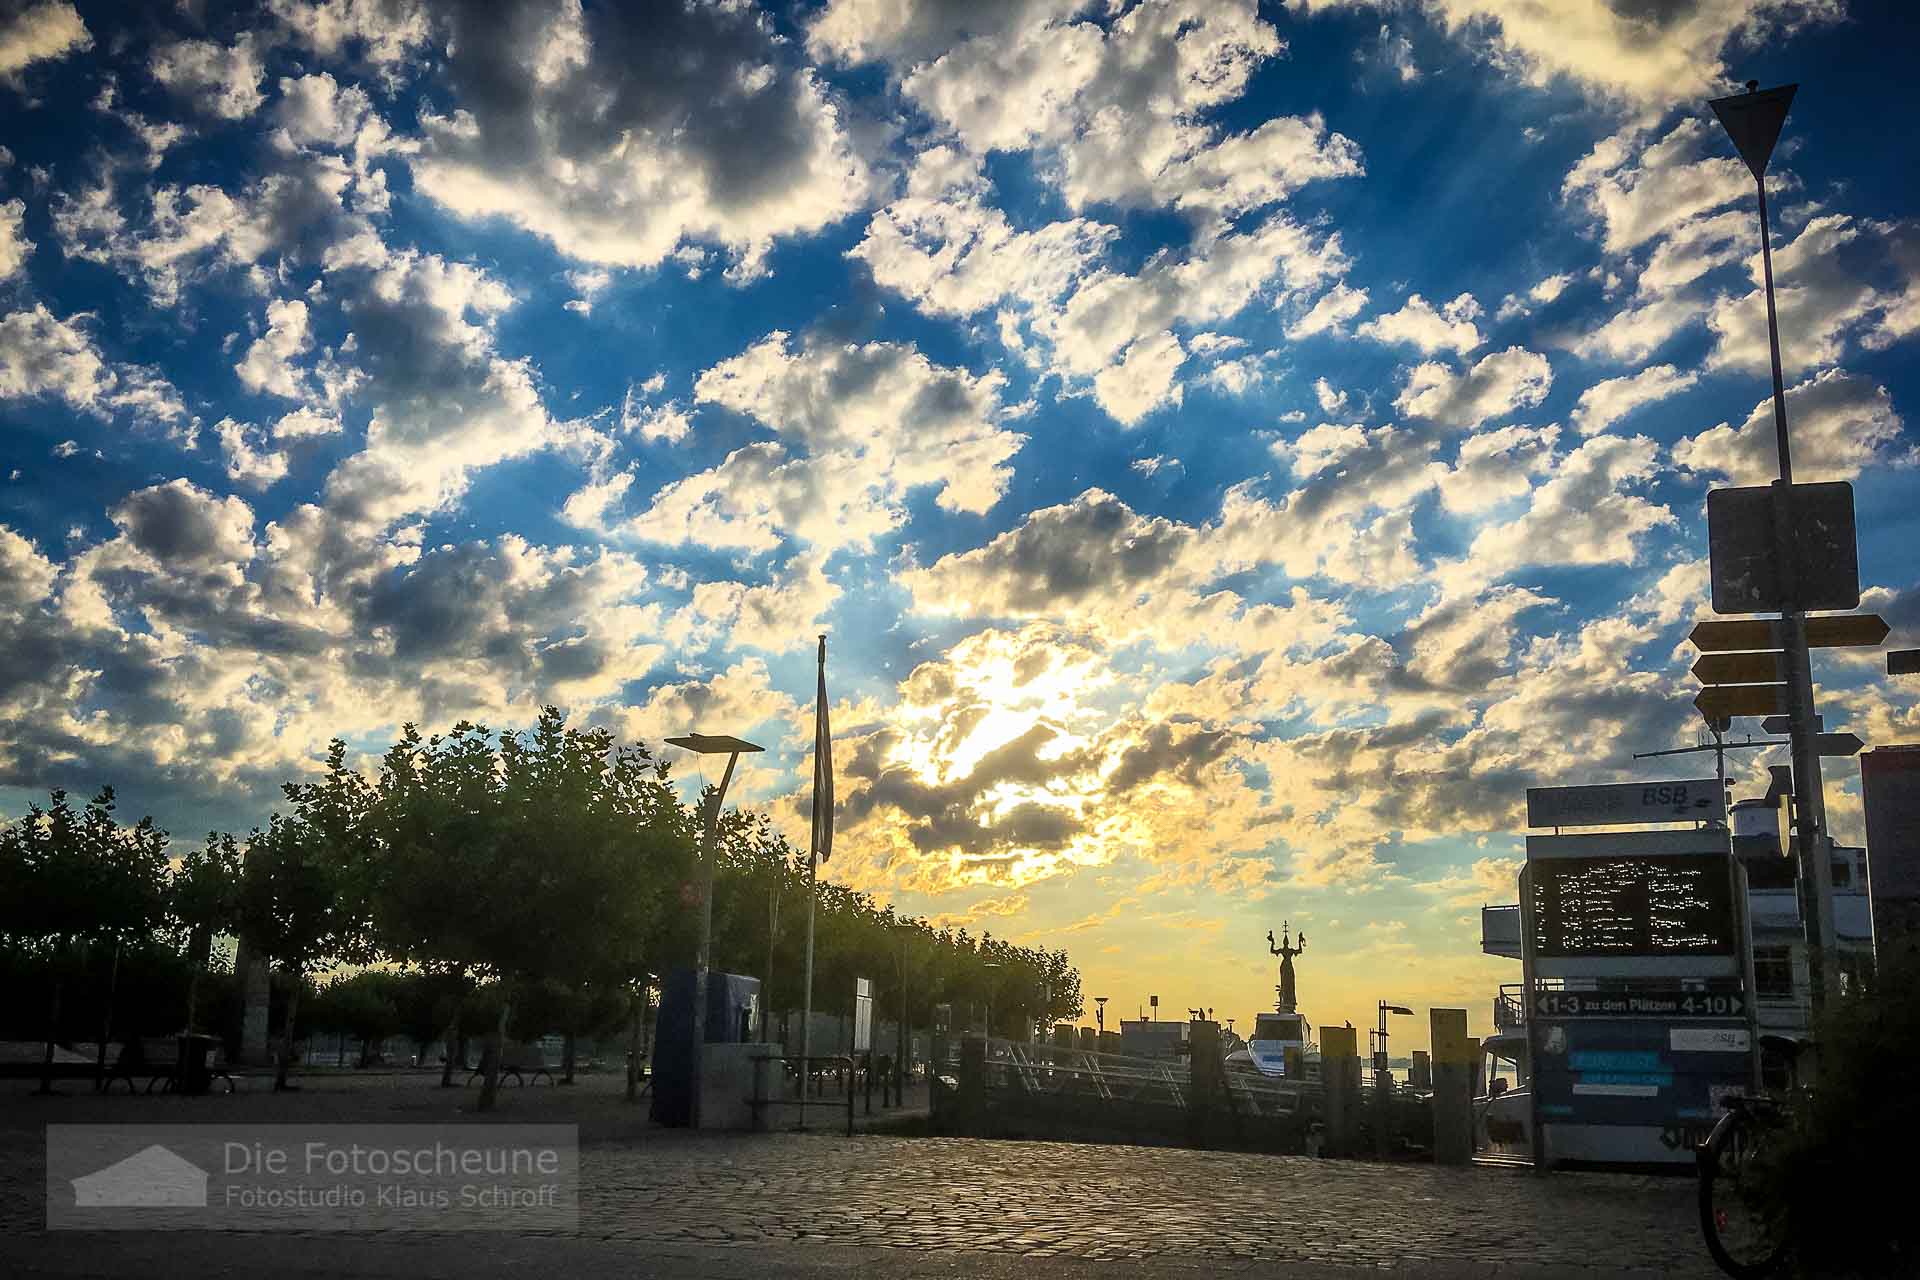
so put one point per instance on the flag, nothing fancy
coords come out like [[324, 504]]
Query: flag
[[822, 768]]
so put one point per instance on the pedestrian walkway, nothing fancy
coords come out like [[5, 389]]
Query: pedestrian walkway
[[805, 1204]]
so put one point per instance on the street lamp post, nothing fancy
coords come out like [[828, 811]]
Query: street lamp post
[[990, 965], [1753, 121], [1100, 1013], [1383, 1081], [732, 748]]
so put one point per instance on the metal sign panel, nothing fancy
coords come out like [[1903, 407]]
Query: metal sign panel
[[1641, 1076], [1672, 1003], [1724, 701], [1832, 631], [1741, 668], [1740, 542], [1753, 120], [1645, 904], [1615, 804], [1837, 744], [862, 1015]]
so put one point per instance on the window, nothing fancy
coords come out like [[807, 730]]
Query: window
[[1842, 875], [1773, 971]]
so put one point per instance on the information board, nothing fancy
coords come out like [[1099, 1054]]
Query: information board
[[1658, 1086], [1643, 905]]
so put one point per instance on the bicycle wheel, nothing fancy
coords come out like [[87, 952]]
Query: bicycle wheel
[[1741, 1238]]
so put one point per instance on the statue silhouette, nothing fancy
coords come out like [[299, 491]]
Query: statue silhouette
[[1286, 951]]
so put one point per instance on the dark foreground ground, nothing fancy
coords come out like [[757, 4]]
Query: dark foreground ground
[[658, 1203]]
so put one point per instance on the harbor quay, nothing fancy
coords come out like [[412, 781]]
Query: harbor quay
[[674, 1202]]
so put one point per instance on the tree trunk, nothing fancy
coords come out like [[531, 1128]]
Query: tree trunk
[[53, 1034], [497, 1051], [286, 1037], [566, 1060], [106, 1024], [453, 1033], [633, 1045], [448, 1046]]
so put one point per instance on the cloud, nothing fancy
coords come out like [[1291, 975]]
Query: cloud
[[1417, 323], [222, 81], [1647, 55], [1606, 402], [1329, 312], [268, 366], [386, 33], [873, 422], [1122, 106], [621, 134], [40, 33], [1842, 423], [1637, 332], [15, 248], [1497, 385], [1825, 294], [43, 355], [249, 462], [1143, 379], [1583, 514]]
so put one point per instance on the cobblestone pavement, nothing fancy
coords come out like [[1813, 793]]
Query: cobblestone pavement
[[801, 1204]]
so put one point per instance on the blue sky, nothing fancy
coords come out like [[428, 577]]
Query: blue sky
[[1233, 450]]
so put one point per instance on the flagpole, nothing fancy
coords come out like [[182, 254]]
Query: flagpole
[[816, 847]]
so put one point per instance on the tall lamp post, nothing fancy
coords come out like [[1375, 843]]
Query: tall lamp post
[[708, 744], [1100, 1013], [1753, 121]]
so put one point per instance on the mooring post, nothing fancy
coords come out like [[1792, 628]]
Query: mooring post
[[973, 1086], [1452, 1086], [1340, 1084], [1206, 1082]]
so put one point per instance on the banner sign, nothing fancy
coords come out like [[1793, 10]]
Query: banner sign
[[1639, 1004]]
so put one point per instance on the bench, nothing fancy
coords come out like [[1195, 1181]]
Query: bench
[[157, 1059], [520, 1063]]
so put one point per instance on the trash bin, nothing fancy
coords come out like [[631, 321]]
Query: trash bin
[[191, 1075]]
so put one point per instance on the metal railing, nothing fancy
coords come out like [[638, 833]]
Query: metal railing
[[759, 1102], [1036, 1069]]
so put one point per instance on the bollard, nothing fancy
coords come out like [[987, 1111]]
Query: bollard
[[1340, 1082], [1206, 1082], [1452, 1087], [973, 1086], [1421, 1077]]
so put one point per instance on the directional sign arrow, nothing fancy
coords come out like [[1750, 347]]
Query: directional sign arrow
[[1827, 631], [1904, 662], [1741, 668], [1780, 726], [1837, 744], [1723, 700]]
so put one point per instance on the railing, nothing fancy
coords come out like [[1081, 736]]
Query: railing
[[1122, 1079], [759, 1102]]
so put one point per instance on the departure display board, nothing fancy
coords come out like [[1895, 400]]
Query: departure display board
[[1639, 905]]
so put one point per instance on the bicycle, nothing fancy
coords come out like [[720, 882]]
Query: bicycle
[[1745, 1242]]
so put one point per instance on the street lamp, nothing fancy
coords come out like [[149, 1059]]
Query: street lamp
[[1380, 1049], [708, 744], [1100, 1013], [990, 964]]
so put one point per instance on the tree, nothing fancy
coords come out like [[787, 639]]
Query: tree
[[203, 899], [69, 880], [292, 908], [524, 859]]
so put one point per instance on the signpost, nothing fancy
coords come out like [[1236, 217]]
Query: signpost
[[1904, 662], [1614, 804], [1837, 744], [1784, 725]]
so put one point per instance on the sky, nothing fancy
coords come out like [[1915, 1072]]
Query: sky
[[1233, 450]]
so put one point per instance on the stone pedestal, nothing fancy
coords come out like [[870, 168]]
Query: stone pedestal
[[1340, 1076]]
